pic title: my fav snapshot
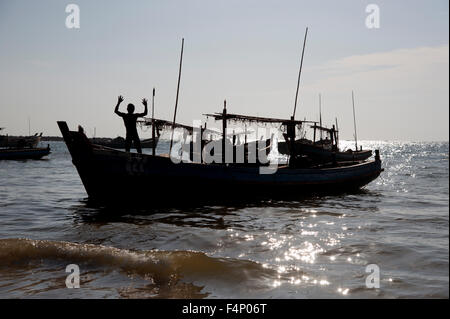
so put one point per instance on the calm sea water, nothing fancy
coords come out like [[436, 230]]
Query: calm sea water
[[311, 248]]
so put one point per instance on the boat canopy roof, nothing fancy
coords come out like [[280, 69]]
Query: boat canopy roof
[[322, 128], [165, 124], [256, 119]]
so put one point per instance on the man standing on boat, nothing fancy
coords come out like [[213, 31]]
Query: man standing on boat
[[129, 120]]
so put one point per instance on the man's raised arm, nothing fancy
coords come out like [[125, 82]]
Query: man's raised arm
[[116, 110], [144, 101]]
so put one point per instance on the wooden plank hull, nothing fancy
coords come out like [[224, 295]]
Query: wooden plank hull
[[111, 175], [119, 143]]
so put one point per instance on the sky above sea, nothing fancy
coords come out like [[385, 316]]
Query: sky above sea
[[247, 52]]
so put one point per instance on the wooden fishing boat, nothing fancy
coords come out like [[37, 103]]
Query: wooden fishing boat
[[323, 154], [20, 141], [110, 175], [324, 150], [113, 176], [24, 153]]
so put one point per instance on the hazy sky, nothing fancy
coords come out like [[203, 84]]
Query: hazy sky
[[245, 51]]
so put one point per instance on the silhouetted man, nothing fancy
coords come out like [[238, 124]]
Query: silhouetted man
[[130, 124]]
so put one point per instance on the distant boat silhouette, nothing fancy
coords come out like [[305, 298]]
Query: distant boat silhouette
[[20, 141]]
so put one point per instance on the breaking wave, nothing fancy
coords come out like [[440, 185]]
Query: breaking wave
[[161, 267]]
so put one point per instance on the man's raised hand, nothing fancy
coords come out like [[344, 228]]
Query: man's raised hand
[[144, 101], [120, 99]]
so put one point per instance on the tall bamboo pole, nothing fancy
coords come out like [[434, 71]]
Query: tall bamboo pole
[[176, 100], [299, 73], [320, 114], [224, 129], [337, 132], [153, 123], [354, 121]]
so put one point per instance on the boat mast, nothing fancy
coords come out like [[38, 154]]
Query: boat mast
[[224, 129], [299, 73], [153, 123], [354, 121], [320, 115], [337, 133], [176, 100]]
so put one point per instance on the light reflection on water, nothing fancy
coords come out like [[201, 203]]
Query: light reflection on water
[[313, 247]]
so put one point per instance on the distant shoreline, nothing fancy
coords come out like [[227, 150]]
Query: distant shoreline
[[51, 139], [60, 139]]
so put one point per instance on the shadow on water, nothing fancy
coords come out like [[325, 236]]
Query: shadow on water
[[204, 216], [212, 215]]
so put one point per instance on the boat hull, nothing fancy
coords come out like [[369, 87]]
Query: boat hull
[[120, 143], [24, 153], [114, 176]]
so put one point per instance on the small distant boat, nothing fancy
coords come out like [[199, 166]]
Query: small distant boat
[[20, 141], [324, 150], [324, 154], [329, 156], [24, 153]]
